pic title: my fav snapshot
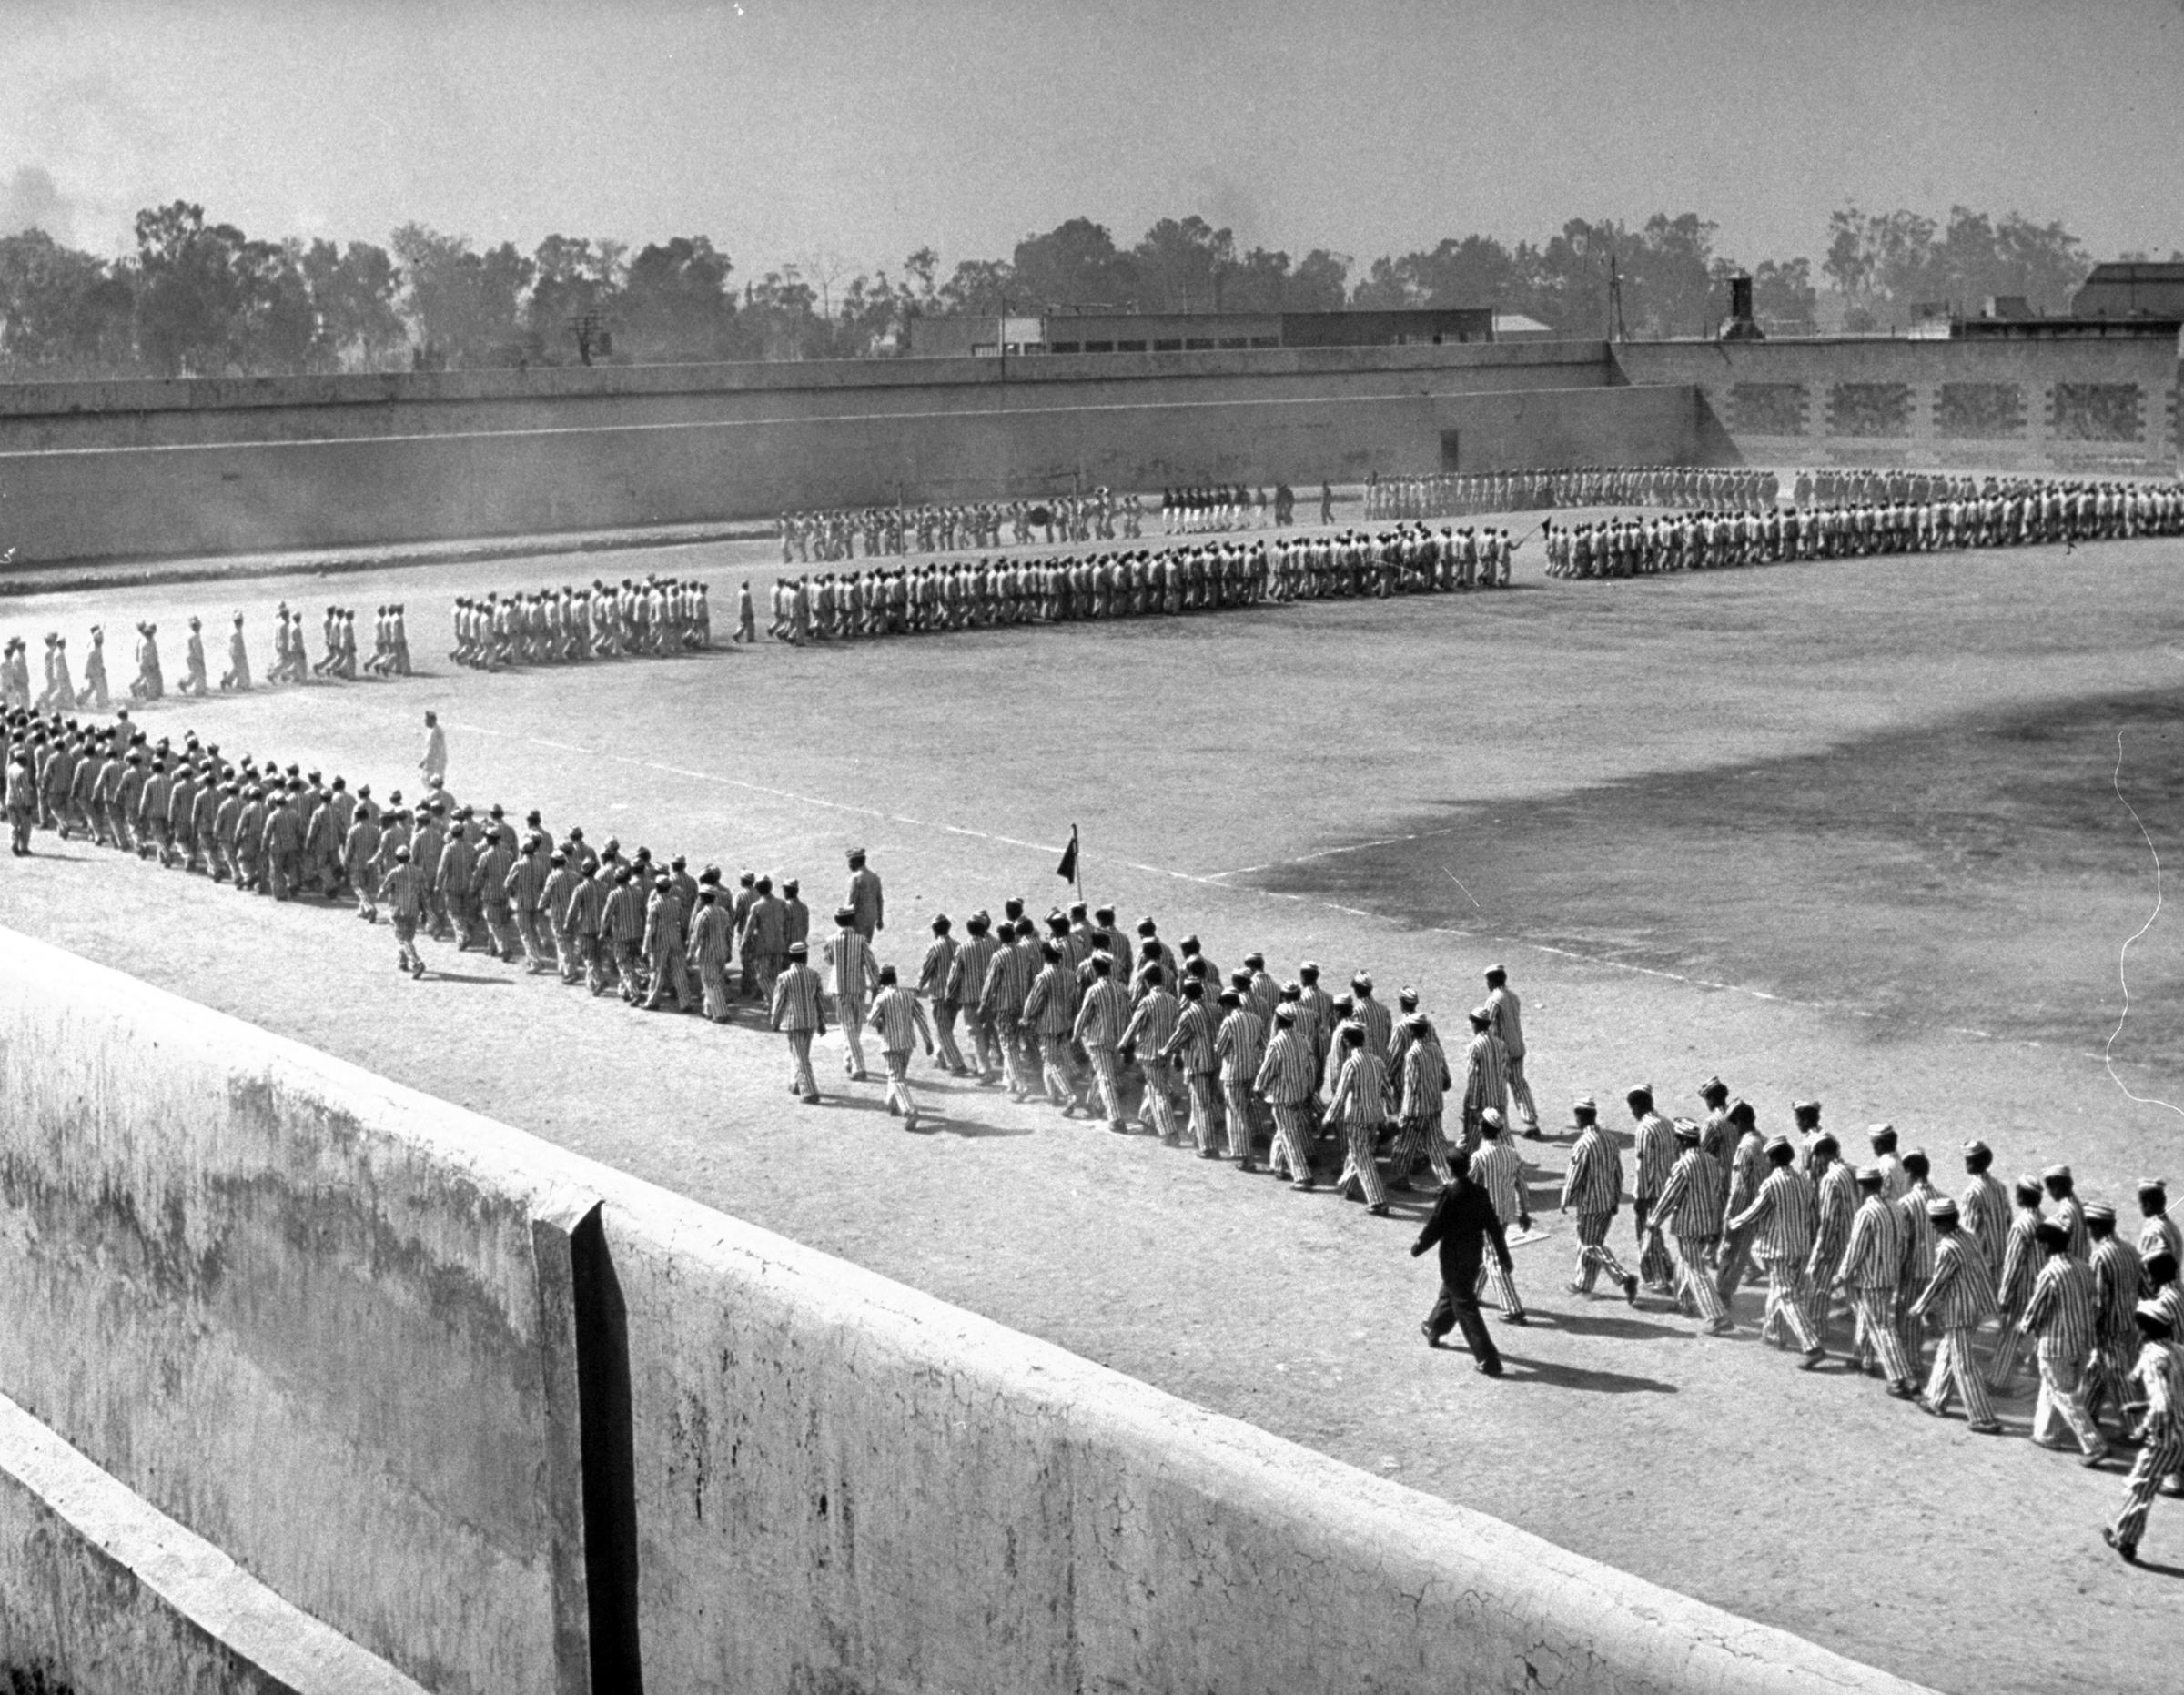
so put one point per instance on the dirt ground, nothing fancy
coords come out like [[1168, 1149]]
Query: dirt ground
[[1846, 828]]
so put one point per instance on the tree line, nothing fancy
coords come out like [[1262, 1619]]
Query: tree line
[[200, 299]]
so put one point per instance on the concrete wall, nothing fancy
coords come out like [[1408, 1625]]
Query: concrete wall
[[367, 489], [2079, 407], [315, 1325], [299, 1308], [102, 1595]]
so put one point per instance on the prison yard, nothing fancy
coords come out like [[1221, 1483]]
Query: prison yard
[[1858, 830]]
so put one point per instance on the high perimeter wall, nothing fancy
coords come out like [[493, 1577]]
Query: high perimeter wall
[[2097, 406], [327, 1323], [107, 470]]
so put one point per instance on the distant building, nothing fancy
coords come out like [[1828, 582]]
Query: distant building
[[2132, 288], [1516, 327], [1098, 330]]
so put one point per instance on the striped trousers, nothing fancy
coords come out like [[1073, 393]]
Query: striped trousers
[[1292, 1141], [950, 1056], [2002, 1366], [2061, 1402], [1695, 1290], [1593, 1253], [1359, 1166], [1655, 1269], [898, 1061], [1526, 1115], [2162, 1457], [800, 1079], [1201, 1112], [1110, 1083], [1421, 1144], [1237, 1095], [1504, 1283], [1054, 1068], [1955, 1371], [1157, 1110], [1875, 1337], [1787, 1296]]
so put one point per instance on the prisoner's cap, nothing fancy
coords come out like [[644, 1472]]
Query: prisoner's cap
[[1293, 990], [1418, 1022], [2152, 1320], [764, 885], [2028, 1186], [492, 812], [1286, 1014], [2153, 1188], [1497, 970], [1779, 1144], [790, 886], [1870, 1173], [1941, 1209], [623, 873], [1977, 1149], [1881, 1135], [664, 882], [2050, 1234], [576, 832], [797, 950], [2055, 1174], [557, 858], [1583, 1104], [1146, 926], [1105, 917], [1149, 950], [1641, 1092], [532, 818], [401, 852], [1827, 1144], [2099, 1212], [856, 855], [1711, 1087], [1308, 969], [942, 924], [1805, 1106], [1189, 944], [1917, 1163], [1057, 925], [1489, 1122], [887, 974], [1077, 909], [1102, 965], [680, 862], [1362, 983], [846, 914], [1687, 1130], [1231, 997], [1194, 988], [1256, 959], [1013, 907]]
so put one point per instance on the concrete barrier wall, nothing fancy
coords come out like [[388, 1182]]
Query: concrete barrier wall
[[312, 1319], [325, 1322], [371, 489], [2092, 407]]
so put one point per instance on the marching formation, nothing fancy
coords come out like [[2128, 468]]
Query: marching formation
[[565, 626], [1451, 494], [1208, 577], [2024, 514], [831, 538], [292, 662]]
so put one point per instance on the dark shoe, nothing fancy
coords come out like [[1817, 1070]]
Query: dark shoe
[[1902, 1392], [2127, 1551], [1514, 1318], [1630, 1288], [1426, 1329], [1813, 1357], [1487, 1368], [1993, 1426], [1379, 1209]]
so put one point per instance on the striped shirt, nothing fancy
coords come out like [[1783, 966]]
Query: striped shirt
[[1654, 1154], [2160, 1234], [798, 1000], [1744, 1161], [2160, 1372], [966, 976], [1958, 1295], [1008, 981], [1785, 1214], [1594, 1183], [709, 938], [2070, 1213], [404, 893], [932, 975], [1104, 1013], [1321, 1007], [1240, 1043], [2061, 1310], [1499, 1169], [1191, 1046], [2020, 1260], [554, 896], [1485, 1076], [1504, 1020], [1051, 1006], [1154, 1022], [1425, 1081], [900, 1018], [1838, 1202], [1379, 1022], [1690, 1202], [621, 920], [1918, 1234], [1985, 1205], [1289, 1071], [1873, 1259], [852, 974], [1361, 1096], [2116, 1279]]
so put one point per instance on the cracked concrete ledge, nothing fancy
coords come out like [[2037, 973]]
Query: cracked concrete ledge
[[107, 1596]]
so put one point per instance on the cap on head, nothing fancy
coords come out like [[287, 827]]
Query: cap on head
[[1941, 1209], [797, 950]]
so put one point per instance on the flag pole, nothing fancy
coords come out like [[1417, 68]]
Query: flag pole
[[1079, 864]]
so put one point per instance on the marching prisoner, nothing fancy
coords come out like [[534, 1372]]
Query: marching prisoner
[[900, 1020], [1485, 1075], [1653, 1152], [1287, 1074], [1101, 1019], [1464, 1224], [403, 891], [1239, 1044], [2158, 1377], [1870, 1273], [799, 1011], [933, 979], [1837, 1199], [1049, 1010], [1592, 1184], [1505, 1019], [1956, 1298], [666, 946], [1689, 1207], [865, 897], [2061, 1316], [1782, 1217], [1499, 1169], [1742, 1177], [2013, 1289], [851, 977], [2117, 1280], [1422, 1079], [1358, 1105], [1152, 1024]]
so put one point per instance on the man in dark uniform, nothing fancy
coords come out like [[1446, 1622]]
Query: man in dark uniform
[[1463, 1222]]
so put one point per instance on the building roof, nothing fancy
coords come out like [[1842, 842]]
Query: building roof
[[2138, 271]]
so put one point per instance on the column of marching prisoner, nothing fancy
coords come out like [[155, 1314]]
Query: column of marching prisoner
[[650, 618]]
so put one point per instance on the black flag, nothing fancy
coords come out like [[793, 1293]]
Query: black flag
[[1067, 870]]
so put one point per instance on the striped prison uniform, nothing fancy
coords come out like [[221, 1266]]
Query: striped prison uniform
[[1919, 1264], [1782, 1218], [1100, 1019], [900, 1020], [2020, 1265], [1499, 1169], [403, 891], [1360, 1105], [1050, 1009], [1746, 1160], [1653, 1155], [2116, 1281], [1149, 1031], [1689, 1207], [2061, 1316], [622, 928], [851, 977], [1008, 980], [587, 924], [1984, 1209], [1379, 1024], [2160, 1234], [1593, 1187], [1485, 1083], [1838, 1203], [1871, 1272], [1191, 1050], [1425, 1081], [2158, 1376], [554, 898], [2070, 1213], [711, 943], [933, 984], [799, 1011], [1505, 1023], [1239, 1044], [966, 988], [525, 888], [1955, 1300], [1287, 1074]]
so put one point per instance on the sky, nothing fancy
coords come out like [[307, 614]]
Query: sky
[[849, 132]]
